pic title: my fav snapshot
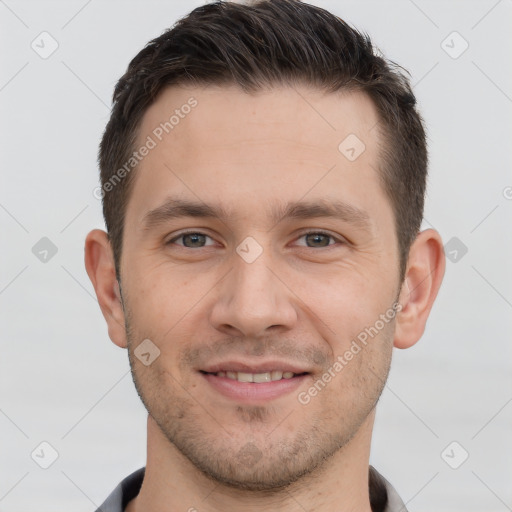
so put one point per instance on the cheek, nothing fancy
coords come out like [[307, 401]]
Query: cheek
[[340, 299], [362, 363], [161, 294], [344, 301], [167, 306]]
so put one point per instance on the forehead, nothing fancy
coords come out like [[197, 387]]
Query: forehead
[[285, 142], [298, 114]]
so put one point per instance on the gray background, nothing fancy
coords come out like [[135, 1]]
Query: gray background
[[61, 379]]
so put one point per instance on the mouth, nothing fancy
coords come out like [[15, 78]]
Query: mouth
[[252, 387], [258, 378]]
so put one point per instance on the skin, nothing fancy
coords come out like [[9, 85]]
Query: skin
[[199, 301]]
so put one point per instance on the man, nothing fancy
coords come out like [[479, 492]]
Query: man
[[263, 176]]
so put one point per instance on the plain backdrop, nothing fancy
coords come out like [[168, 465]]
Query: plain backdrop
[[63, 382]]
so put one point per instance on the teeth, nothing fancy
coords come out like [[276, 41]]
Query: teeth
[[262, 377], [276, 375], [245, 377], [256, 377]]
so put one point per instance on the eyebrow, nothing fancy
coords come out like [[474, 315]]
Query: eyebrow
[[174, 208]]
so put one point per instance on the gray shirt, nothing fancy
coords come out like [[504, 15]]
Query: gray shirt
[[383, 498]]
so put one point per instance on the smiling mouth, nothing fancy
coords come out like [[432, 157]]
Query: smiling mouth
[[256, 378]]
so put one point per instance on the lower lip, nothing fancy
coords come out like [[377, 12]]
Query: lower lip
[[251, 392]]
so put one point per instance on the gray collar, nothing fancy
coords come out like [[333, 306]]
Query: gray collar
[[383, 496]]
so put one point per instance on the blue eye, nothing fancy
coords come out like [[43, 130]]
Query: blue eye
[[197, 240], [318, 238]]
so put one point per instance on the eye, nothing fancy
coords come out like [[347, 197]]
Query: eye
[[319, 239], [191, 239], [197, 240]]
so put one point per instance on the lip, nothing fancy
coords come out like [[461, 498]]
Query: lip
[[252, 392], [250, 367]]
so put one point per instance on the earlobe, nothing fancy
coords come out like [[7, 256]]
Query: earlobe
[[99, 263], [424, 274]]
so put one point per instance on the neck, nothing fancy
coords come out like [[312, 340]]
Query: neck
[[173, 483]]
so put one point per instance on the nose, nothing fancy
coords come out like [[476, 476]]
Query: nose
[[253, 299]]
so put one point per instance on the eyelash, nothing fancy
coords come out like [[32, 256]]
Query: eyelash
[[313, 232]]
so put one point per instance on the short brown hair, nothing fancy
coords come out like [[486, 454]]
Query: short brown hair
[[269, 43]]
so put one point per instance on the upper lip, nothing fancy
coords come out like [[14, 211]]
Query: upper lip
[[248, 367]]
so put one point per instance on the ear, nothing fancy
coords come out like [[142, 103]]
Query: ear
[[423, 277], [99, 263]]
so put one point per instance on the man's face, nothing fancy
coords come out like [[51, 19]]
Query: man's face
[[253, 292]]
